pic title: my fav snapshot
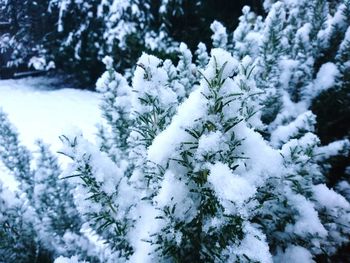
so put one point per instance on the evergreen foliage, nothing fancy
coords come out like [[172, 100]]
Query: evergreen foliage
[[17, 230], [41, 218], [14, 156], [204, 158], [24, 38], [205, 187], [77, 35]]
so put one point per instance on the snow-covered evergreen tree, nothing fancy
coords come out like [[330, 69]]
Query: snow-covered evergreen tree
[[129, 134], [296, 204], [76, 40], [90, 30], [200, 219], [296, 45], [53, 201]]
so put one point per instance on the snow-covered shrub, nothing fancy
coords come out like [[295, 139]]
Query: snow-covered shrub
[[115, 101], [189, 178], [219, 36], [51, 225], [17, 235], [15, 157], [246, 37], [202, 57], [301, 48]]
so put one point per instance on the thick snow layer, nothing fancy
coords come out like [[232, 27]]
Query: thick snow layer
[[341, 147], [41, 111], [294, 254], [229, 186], [308, 220], [73, 259], [325, 78], [175, 133], [328, 198], [174, 192], [304, 122], [253, 246]]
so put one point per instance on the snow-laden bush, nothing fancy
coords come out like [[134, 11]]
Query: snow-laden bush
[[16, 228], [189, 178], [40, 218], [213, 161], [301, 49]]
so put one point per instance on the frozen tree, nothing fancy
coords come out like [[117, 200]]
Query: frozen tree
[[61, 223], [296, 204], [200, 219], [296, 52], [304, 31], [297, 49], [272, 43], [299, 158], [98, 196], [90, 30], [174, 82], [77, 37], [148, 115]]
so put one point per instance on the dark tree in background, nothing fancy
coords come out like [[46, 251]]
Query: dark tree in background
[[81, 28], [79, 46], [29, 24], [190, 22]]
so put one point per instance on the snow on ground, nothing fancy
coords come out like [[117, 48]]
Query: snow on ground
[[40, 110]]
